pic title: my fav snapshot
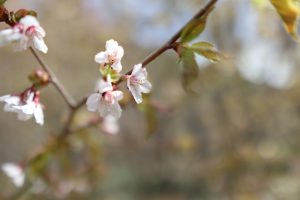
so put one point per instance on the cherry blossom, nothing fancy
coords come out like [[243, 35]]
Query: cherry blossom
[[137, 83], [26, 105], [28, 33], [15, 172], [112, 56], [106, 100]]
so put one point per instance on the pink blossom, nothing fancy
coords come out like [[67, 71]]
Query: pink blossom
[[27, 33], [26, 105], [112, 56], [105, 100], [137, 83]]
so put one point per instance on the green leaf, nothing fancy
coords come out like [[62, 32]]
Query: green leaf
[[207, 50], [195, 27], [289, 11], [190, 71]]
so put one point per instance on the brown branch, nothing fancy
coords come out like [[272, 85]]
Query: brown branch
[[170, 44], [54, 80]]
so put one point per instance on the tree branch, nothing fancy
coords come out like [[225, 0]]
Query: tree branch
[[66, 131], [170, 44], [54, 80]]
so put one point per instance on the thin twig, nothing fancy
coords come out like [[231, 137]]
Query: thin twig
[[54, 80]]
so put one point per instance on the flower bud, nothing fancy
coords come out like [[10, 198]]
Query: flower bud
[[39, 78]]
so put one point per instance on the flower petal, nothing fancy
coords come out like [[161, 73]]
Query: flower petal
[[101, 57], [9, 108], [9, 35], [110, 125], [111, 46], [40, 32], [23, 43], [15, 172], [93, 102], [136, 69], [116, 110], [146, 87], [28, 21], [39, 114], [104, 86], [13, 100], [106, 109], [136, 93], [117, 66], [120, 53], [118, 95], [27, 108], [39, 44]]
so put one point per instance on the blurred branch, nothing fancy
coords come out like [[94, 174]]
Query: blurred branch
[[26, 187], [54, 80]]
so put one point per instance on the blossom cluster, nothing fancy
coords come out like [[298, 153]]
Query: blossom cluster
[[27, 32], [26, 104], [107, 96]]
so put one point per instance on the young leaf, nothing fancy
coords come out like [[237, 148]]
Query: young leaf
[[289, 11], [207, 50], [195, 27], [190, 69]]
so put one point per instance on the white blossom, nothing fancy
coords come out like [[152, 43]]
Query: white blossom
[[112, 56], [10, 35], [15, 172], [27, 33], [137, 83], [26, 105], [106, 100], [110, 125]]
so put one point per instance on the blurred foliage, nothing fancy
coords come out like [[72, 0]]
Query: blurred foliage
[[289, 10], [237, 139]]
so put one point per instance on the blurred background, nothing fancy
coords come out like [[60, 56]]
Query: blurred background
[[237, 139]]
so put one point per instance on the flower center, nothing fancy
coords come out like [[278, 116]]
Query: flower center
[[112, 58], [135, 81], [30, 30]]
